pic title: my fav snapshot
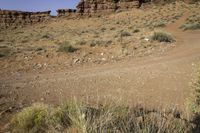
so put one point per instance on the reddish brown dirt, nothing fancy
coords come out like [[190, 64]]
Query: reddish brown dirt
[[156, 80]]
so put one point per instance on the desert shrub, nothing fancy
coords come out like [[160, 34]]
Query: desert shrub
[[25, 41], [94, 43], [103, 29], [115, 1], [191, 23], [39, 118], [66, 47], [194, 103], [32, 119], [59, 119], [102, 118], [5, 51], [159, 24], [39, 48], [1, 40], [81, 42], [46, 36], [136, 30], [162, 37], [112, 28], [194, 26], [125, 33]]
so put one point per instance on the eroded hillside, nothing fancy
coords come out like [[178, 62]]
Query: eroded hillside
[[143, 56]]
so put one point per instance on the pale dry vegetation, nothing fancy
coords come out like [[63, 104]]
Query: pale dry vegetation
[[83, 118], [162, 37], [192, 22]]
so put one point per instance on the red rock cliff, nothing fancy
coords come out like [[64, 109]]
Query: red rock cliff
[[12, 18]]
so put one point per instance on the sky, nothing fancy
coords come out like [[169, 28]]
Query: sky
[[38, 5]]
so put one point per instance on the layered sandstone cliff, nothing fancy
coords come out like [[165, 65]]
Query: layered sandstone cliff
[[98, 7], [12, 18], [105, 6], [66, 12]]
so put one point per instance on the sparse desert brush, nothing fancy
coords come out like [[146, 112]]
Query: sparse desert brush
[[66, 47], [81, 42], [162, 37], [1, 40], [191, 23], [5, 51], [194, 26], [99, 119], [159, 24], [136, 30], [33, 119], [94, 43], [46, 36], [39, 118], [125, 34], [194, 101]]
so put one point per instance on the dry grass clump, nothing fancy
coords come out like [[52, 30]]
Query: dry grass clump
[[66, 47], [4, 51], [39, 118], [194, 102], [125, 33], [191, 23], [194, 26], [103, 118], [159, 24], [162, 37]]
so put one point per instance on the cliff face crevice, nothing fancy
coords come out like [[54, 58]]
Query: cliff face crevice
[[12, 18]]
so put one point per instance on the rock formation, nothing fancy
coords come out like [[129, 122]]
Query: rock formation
[[12, 18], [99, 7], [105, 6], [66, 12]]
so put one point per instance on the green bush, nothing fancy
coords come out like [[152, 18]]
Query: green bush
[[33, 119], [162, 37], [66, 47], [39, 118]]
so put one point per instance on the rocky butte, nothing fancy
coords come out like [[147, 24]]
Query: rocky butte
[[12, 18], [100, 7]]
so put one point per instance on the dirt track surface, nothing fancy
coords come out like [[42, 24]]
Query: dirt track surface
[[156, 80]]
